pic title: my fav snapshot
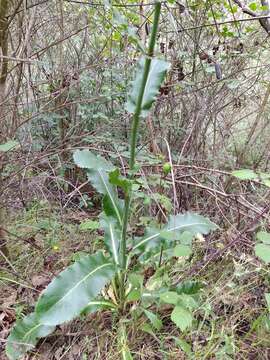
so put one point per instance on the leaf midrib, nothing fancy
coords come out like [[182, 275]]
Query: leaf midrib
[[171, 229], [78, 283], [114, 250]]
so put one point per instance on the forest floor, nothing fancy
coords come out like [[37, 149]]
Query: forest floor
[[50, 238]]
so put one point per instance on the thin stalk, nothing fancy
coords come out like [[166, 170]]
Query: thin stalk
[[134, 135], [148, 60]]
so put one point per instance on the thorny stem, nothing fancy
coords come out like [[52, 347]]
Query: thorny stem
[[134, 135]]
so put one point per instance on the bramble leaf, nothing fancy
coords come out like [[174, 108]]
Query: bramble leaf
[[154, 319], [182, 317]]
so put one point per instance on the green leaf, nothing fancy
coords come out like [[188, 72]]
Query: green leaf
[[154, 319], [264, 8], [122, 338], [135, 284], [190, 222], [70, 292], [134, 295], [170, 297], [188, 301], [96, 305], [112, 236], [186, 347], [156, 76], [115, 178], [182, 250], [148, 329], [89, 225], [267, 297], [266, 182], [253, 6], [87, 160], [186, 238], [233, 9], [136, 280], [263, 252], [263, 236], [263, 175], [126, 354], [166, 168], [189, 287], [245, 174], [182, 317], [25, 335], [9, 145], [97, 171]]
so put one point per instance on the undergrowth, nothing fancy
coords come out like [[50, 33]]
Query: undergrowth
[[231, 323]]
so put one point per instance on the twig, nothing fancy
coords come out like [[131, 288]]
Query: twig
[[21, 238], [218, 253]]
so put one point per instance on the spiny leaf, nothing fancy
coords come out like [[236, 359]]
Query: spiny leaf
[[156, 76], [70, 292], [25, 335]]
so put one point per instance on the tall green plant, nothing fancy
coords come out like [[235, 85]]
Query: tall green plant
[[77, 289]]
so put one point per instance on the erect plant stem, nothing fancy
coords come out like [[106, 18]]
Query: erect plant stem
[[148, 60], [134, 135]]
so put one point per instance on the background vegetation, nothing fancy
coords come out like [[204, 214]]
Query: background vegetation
[[65, 72]]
